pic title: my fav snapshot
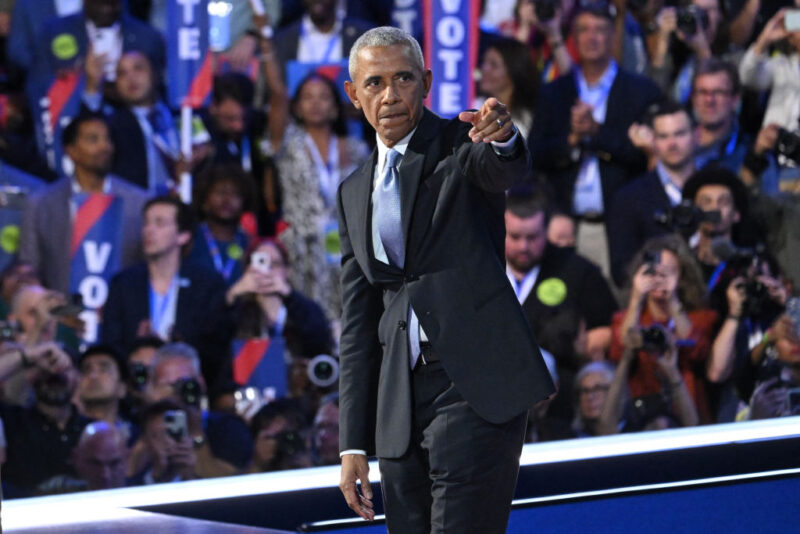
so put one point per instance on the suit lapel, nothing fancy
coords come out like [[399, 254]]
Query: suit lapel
[[411, 169], [359, 204]]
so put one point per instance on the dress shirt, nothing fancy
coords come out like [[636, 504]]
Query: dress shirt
[[588, 188], [315, 46], [523, 287], [670, 187]]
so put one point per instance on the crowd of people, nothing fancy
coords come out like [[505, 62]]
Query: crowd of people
[[146, 340]]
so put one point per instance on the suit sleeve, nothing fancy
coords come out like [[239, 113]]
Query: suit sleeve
[[360, 350], [548, 138], [495, 172]]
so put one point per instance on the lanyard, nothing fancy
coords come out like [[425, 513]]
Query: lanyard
[[247, 165], [332, 41], [216, 255], [160, 306], [715, 277], [328, 172]]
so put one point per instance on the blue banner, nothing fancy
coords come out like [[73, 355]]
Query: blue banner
[[407, 15], [261, 363], [189, 60], [58, 104], [451, 52], [95, 253]]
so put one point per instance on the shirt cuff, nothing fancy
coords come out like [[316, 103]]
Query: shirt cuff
[[352, 451], [506, 148]]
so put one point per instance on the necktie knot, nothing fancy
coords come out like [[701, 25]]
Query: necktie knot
[[392, 157]]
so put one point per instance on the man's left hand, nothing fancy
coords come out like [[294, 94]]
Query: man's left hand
[[490, 123]]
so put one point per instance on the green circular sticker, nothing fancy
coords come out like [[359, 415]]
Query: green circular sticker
[[332, 244], [9, 238], [552, 291], [64, 46], [235, 252]]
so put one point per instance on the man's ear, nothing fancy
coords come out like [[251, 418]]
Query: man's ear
[[736, 216], [427, 80], [350, 89], [184, 237]]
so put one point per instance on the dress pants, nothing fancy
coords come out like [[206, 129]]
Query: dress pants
[[460, 471]]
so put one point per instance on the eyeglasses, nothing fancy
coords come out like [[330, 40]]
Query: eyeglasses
[[594, 389]]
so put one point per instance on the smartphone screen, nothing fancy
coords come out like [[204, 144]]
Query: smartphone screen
[[791, 20], [175, 423]]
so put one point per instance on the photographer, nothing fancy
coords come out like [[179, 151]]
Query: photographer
[[172, 457], [280, 436], [267, 305], [220, 440], [667, 290], [672, 406], [543, 26]]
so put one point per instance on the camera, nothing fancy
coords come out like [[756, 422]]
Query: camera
[[685, 218], [8, 331], [323, 370], [654, 339], [746, 262], [756, 297], [690, 18], [545, 9], [71, 308], [189, 391], [139, 374], [788, 145], [175, 423]]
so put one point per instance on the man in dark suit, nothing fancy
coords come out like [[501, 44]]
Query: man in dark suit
[[438, 364], [581, 137], [641, 209], [171, 299]]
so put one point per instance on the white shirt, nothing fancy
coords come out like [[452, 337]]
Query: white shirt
[[65, 8], [524, 287], [671, 188], [588, 188], [315, 46]]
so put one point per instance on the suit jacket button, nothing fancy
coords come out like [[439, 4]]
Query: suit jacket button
[[401, 325]]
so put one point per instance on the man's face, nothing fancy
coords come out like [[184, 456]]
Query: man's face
[[390, 89], [135, 79], [593, 38], [229, 117], [525, 241], [92, 148], [715, 197], [326, 433], [103, 13], [160, 233], [673, 140], [224, 202], [100, 379], [320, 11], [101, 460], [713, 100], [592, 393], [165, 375]]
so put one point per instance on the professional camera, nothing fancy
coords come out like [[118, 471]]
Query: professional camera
[[8, 331], [685, 218], [323, 370], [71, 308], [139, 374], [654, 339], [747, 263], [189, 391], [545, 9], [690, 18], [788, 145], [756, 297]]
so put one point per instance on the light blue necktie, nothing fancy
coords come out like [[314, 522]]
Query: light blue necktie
[[387, 202]]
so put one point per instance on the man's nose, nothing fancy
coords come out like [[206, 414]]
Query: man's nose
[[389, 94]]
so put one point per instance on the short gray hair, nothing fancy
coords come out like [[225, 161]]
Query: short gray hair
[[386, 36], [173, 351]]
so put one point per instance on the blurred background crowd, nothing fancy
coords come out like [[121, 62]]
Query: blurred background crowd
[[654, 246]]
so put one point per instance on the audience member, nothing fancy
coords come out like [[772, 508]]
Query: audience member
[[643, 208], [667, 298], [100, 456], [580, 139], [41, 438], [325, 432], [140, 365], [168, 447], [508, 74], [168, 297], [223, 193], [313, 155], [279, 432], [15, 275], [545, 36], [592, 383], [57, 219], [561, 294], [561, 230], [101, 386]]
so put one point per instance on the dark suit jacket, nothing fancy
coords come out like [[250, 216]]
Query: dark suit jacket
[[632, 221], [453, 201], [130, 151], [46, 231], [201, 319], [619, 160]]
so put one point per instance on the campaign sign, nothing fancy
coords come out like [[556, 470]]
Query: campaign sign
[[260, 363], [95, 253], [189, 59], [406, 16], [56, 108], [451, 52]]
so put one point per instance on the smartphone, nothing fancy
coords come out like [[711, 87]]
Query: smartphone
[[791, 20], [651, 259], [175, 423], [71, 308], [260, 261]]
